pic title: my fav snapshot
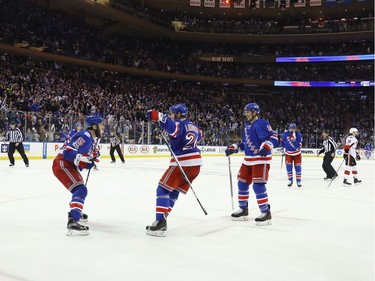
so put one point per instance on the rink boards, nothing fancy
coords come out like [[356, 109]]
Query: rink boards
[[50, 150]]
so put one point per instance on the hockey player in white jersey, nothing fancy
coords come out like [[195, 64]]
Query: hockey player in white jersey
[[351, 157]]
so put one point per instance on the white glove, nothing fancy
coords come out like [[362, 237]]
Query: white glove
[[80, 158]]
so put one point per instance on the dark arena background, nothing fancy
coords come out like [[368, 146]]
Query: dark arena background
[[308, 62]]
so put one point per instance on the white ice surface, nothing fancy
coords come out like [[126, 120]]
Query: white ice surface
[[318, 233]]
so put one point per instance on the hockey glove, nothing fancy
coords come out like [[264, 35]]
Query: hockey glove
[[265, 148], [358, 157], [231, 149], [155, 116], [84, 159]]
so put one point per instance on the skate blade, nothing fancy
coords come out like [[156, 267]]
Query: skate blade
[[263, 223], [243, 218], [72, 232], [83, 220], [158, 233]]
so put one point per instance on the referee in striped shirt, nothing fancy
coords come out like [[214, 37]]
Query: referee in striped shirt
[[14, 136], [329, 150]]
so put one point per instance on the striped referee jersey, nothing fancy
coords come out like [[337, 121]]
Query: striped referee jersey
[[14, 135], [329, 146]]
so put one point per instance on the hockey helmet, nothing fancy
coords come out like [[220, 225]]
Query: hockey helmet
[[179, 108], [292, 126], [12, 123], [252, 107], [93, 119], [353, 131]]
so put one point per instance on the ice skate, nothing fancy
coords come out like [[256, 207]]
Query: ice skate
[[299, 184], [357, 181], [240, 215], [346, 183], [76, 229], [290, 183], [84, 218], [264, 218], [158, 228]]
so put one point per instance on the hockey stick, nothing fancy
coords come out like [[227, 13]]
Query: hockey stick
[[230, 181], [282, 160], [87, 178], [182, 171], [337, 172], [88, 174]]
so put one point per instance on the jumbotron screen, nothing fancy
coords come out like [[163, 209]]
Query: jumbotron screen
[[324, 83], [326, 58]]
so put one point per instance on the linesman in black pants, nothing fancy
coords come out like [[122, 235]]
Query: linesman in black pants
[[329, 150], [115, 145], [14, 136]]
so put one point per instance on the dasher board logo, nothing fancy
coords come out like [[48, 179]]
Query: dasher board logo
[[159, 149], [26, 147], [144, 149], [4, 148], [132, 149]]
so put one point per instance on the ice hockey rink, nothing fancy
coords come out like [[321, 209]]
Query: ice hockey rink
[[318, 232]]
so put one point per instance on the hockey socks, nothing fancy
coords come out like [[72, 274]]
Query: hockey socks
[[162, 202], [289, 170], [298, 169], [173, 198], [261, 195], [78, 199], [243, 194]]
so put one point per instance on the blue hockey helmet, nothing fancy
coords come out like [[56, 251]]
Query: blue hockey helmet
[[292, 126], [252, 107], [179, 108], [94, 119]]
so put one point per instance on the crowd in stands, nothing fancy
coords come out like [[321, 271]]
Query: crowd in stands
[[47, 100], [24, 22], [242, 24]]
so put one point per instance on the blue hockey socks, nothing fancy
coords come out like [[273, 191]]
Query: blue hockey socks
[[243, 194], [173, 198], [289, 170], [298, 173], [261, 195], [79, 194], [162, 202]]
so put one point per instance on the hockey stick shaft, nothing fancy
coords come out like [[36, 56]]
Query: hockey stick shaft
[[337, 172], [282, 160], [182, 171], [87, 178], [230, 181], [88, 174]]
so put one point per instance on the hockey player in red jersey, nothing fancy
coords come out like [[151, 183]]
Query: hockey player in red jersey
[[258, 141], [351, 156], [79, 153], [184, 137]]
